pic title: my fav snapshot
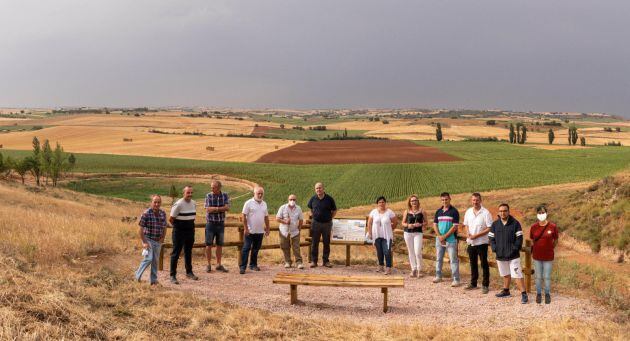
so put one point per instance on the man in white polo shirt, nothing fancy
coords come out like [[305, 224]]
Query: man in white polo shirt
[[256, 226], [290, 217], [478, 221]]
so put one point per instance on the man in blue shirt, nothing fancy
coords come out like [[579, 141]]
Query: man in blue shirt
[[445, 226]]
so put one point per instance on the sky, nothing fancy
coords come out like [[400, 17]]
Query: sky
[[539, 55]]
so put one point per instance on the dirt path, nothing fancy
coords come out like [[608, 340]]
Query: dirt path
[[420, 300]]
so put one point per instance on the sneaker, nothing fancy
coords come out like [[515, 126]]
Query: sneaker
[[313, 265], [388, 271], [138, 279], [254, 268], [155, 283], [503, 293], [437, 280], [455, 283], [192, 276], [524, 298], [287, 265], [547, 298], [209, 268], [221, 268], [485, 290], [328, 265], [242, 271], [380, 268], [174, 280], [538, 298], [300, 266], [470, 287], [414, 273]]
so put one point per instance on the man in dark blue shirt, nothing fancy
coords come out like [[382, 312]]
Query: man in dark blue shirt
[[323, 210]]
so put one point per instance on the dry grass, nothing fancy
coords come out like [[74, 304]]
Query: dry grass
[[65, 268]]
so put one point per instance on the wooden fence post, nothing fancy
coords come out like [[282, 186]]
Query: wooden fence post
[[161, 259], [528, 265], [348, 255]]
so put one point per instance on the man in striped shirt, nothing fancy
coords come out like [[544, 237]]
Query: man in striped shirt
[[183, 219], [217, 203]]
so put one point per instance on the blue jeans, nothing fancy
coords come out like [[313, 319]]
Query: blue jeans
[[383, 251], [150, 259], [452, 254], [253, 242], [542, 270]]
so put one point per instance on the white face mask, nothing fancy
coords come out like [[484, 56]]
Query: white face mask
[[291, 203], [542, 216]]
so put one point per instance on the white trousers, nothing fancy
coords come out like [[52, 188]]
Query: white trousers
[[414, 248]]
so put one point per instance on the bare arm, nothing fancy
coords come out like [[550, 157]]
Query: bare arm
[[369, 227], [394, 222], [266, 225], [245, 229], [334, 213], [404, 223], [145, 244]]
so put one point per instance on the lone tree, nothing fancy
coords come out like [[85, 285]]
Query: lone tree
[[46, 160], [36, 164], [583, 141], [551, 136], [512, 134], [438, 132], [523, 137], [573, 135], [59, 164]]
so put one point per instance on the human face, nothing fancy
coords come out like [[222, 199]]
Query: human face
[[188, 193], [415, 203], [319, 189], [156, 202], [382, 205], [476, 201], [504, 212], [258, 194], [216, 189], [446, 201], [292, 200]]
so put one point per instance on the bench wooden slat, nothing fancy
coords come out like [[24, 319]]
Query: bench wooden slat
[[338, 277], [332, 280]]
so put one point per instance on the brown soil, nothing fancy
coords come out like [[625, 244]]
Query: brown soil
[[356, 151], [260, 131]]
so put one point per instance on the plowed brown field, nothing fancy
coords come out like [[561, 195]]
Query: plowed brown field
[[356, 151]]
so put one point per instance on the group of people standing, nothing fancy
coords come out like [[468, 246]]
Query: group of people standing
[[503, 235]]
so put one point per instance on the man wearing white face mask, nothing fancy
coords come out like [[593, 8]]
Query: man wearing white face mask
[[291, 218]]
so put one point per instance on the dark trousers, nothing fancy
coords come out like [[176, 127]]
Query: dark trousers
[[321, 231], [182, 239], [253, 242], [474, 252], [383, 251]]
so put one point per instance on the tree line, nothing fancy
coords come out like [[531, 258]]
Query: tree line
[[45, 163]]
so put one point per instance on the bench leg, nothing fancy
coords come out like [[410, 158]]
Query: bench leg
[[384, 291], [161, 259], [293, 294], [347, 255]]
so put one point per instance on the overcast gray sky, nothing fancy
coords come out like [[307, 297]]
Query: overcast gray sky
[[562, 55]]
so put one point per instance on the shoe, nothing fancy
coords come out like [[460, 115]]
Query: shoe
[[192, 276], [300, 266], [313, 265], [538, 298], [388, 271], [419, 274], [242, 271], [287, 265], [455, 283], [328, 265], [524, 298], [174, 280], [254, 268], [414, 273], [503, 293], [138, 279], [155, 283], [470, 287], [209, 268], [547, 298], [485, 290], [221, 268], [437, 280], [380, 269]]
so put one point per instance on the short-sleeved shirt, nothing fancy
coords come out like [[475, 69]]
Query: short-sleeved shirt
[[216, 200], [478, 222], [445, 219], [322, 208], [295, 213], [184, 213], [382, 224], [543, 238], [153, 223], [255, 212]]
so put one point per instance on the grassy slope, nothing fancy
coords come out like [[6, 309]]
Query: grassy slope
[[485, 166]]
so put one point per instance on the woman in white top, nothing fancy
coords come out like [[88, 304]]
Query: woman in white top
[[382, 221], [414, 219]]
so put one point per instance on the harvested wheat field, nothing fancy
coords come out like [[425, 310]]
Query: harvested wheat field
[[136, 141], [356, 151]]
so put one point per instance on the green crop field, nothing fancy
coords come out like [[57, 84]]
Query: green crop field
[[485, 166], [306, 134]]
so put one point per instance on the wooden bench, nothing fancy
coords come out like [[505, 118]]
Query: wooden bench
[[383, 282]]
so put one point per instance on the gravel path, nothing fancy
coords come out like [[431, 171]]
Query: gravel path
[[419, 301]]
